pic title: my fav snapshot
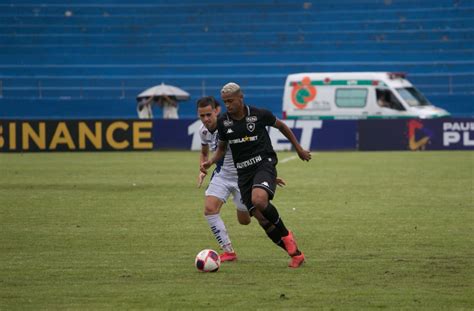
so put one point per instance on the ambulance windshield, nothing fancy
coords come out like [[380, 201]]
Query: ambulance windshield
[[413, 97]]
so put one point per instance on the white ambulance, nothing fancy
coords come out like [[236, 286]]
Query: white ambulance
[[354, 95]]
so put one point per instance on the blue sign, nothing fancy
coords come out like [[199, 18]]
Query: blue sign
[[318, 135], [97, 135], [312, 134], [173, 134], [417, 134]]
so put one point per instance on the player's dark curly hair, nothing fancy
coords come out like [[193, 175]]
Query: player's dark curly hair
[[206, 101]]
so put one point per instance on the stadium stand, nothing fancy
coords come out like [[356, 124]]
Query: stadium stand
[[84, 59]]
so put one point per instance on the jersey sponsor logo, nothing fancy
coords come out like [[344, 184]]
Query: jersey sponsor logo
[[228, 123], [251, 119], [250, 127], [249, 162], [245, 139]]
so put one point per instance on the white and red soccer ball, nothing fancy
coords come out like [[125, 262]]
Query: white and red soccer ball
[[207, 260]]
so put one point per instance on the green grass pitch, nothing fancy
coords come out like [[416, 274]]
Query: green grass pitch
[[381, 230]]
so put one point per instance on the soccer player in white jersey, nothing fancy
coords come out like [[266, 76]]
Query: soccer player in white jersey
[[223, 181]]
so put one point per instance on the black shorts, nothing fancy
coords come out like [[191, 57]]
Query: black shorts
[[263, 176]]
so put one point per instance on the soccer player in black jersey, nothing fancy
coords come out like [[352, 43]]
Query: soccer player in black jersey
[[244, 129]]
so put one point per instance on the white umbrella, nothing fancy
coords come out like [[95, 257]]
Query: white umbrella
[[165, 89]]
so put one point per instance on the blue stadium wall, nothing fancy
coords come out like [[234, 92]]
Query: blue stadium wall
[[89, 60]]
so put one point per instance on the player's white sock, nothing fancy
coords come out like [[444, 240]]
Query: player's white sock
[[220, 232]]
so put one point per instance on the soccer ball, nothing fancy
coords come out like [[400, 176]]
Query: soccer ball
[[207, 260]]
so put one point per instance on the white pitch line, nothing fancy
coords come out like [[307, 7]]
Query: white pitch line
[[288, 159]]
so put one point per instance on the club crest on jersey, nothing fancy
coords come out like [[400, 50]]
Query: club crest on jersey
[[228, 123], [250, 127], [251, 119]]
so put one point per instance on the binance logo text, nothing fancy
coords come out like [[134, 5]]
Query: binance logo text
[[75, 135]]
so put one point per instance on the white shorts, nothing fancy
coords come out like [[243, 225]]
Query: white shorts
[[221, 188]]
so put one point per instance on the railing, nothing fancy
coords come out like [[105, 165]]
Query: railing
[[123, 89]]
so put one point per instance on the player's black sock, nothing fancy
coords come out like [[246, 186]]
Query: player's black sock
[[271, 213], [274, 234], [281, 244]]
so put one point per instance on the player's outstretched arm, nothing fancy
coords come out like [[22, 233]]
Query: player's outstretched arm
[[203, 157], [204, 154], [304, 155], [220, 152]]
